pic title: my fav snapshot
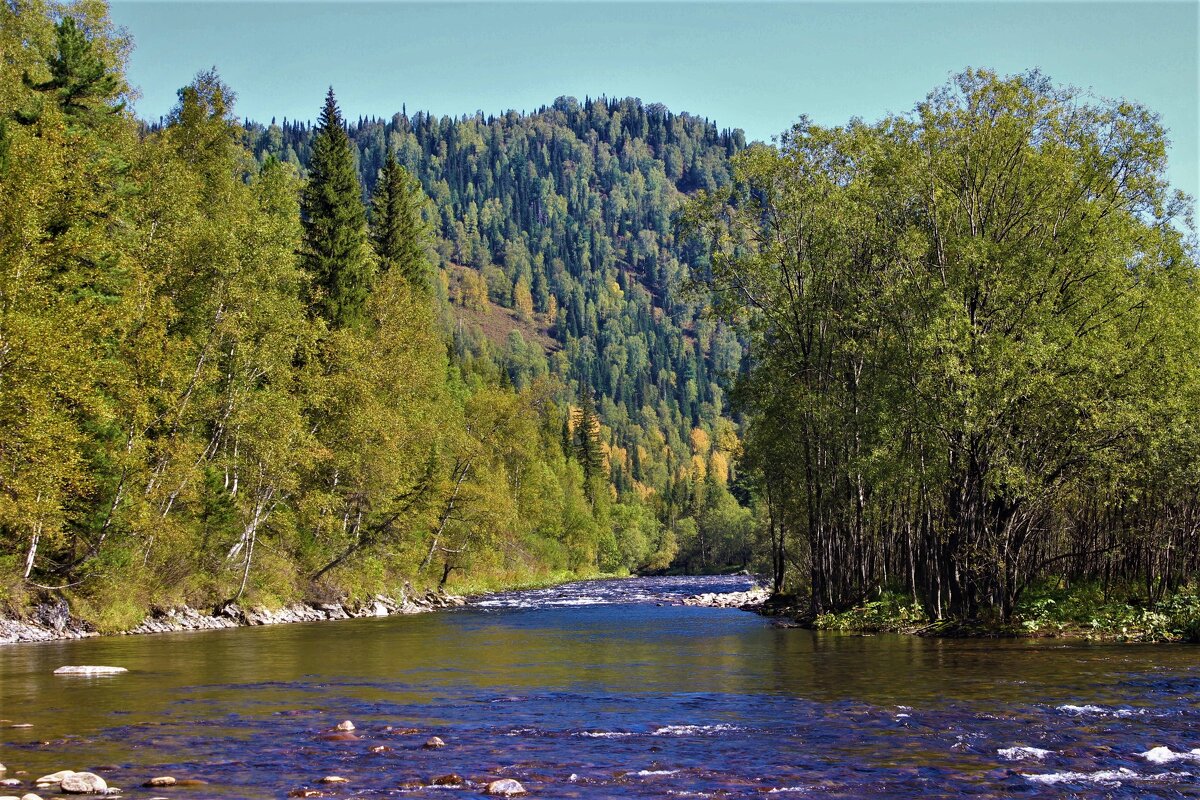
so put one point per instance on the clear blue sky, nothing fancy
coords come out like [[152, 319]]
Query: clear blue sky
[[750, 65]]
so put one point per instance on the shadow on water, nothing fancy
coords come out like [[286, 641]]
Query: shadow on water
[[609, 689]]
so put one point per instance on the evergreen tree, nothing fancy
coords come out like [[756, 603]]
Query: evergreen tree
[[335, 226], [80, 82], [397, 230], [587, 436]]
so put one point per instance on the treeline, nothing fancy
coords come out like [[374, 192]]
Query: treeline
[[221, 382], [976, 331], [566, 218]]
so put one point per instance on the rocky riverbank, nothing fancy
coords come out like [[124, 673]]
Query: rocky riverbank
[[54, 622], [749, 600]]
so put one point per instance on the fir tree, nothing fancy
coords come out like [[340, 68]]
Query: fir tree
[[80, 82], [587, 436], [335, 226], [396, 226]]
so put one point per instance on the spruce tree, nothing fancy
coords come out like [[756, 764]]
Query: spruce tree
[[587, 436], [396, 225], [335, 226]]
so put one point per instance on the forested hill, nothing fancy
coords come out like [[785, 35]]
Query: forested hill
[[565, 217]]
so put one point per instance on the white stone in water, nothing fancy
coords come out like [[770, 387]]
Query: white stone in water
[[334, 779], [505, 787], [434, 741], [84, 783], [345, 726], [89, 670], [30, 796]]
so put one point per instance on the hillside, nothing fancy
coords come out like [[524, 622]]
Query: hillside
[[560, 225]]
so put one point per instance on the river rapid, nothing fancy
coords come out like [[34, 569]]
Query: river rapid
[[607, 689]]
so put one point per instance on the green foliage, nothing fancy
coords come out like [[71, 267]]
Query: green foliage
[[975, 330], [891, 612], [208, 396], [1086, 610]]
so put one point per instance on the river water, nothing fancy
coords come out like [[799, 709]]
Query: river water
[[608, 689]]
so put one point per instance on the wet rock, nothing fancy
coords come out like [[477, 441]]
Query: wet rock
[[381, 748], [340, 736], [752, 598], [306, 793], [434, 741], [404, 731], [8, 783], [345, 726], [334, 779], [505, 787], [162, 780], [54, 778], [83, 783], [190, 782], [448, 780], [89, 670]]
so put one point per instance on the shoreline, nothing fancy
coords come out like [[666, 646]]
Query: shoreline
[[863, 621], [53, 623], [50, 623]]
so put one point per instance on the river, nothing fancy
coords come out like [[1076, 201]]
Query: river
[[608, 689]]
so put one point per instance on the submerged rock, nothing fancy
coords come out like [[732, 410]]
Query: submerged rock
[[345, 726], [334, 779], [163, 780], [89, 670], [505, 787], [434, 741], [83, 783], [448, 780]]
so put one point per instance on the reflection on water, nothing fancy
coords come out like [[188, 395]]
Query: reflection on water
[[609, 690]]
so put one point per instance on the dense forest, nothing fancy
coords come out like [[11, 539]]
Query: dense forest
[[227, 376], [566, 220], [975, 338]]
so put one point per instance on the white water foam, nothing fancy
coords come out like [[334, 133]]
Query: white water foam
[[1022, 753], [787, 789], [695, 730], [604, 734], [643, 773], [1165, 755], [1099, 710], [1105, 777]]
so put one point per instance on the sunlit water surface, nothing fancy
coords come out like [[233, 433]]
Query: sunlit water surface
[[608, 689]]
